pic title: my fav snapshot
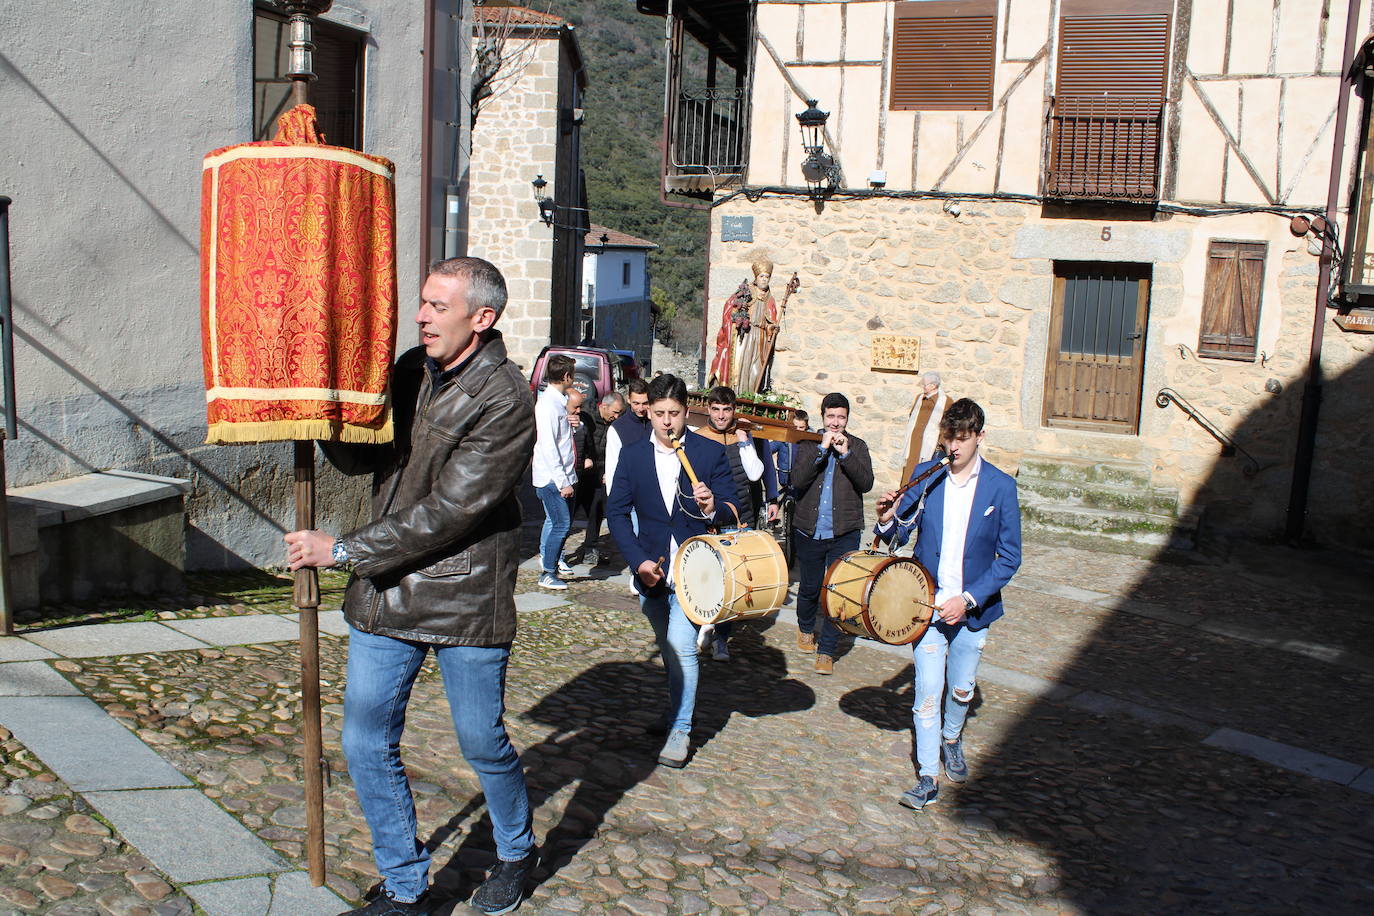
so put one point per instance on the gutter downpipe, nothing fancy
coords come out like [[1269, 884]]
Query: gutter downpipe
[[1312, 389], [426, 139], [11, 430]]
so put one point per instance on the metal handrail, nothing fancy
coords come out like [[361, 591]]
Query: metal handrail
[[1228, 445]]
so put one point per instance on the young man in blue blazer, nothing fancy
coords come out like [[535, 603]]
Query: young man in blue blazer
[[968, 525], [650, 479]]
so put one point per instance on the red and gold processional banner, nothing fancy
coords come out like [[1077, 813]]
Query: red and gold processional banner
[[298, 289]]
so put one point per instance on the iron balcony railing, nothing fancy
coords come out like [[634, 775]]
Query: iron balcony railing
[[708, 131], [1104, 149]]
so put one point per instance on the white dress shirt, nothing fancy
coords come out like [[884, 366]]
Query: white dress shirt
[[669, 471], [554, 458], [949, 578]]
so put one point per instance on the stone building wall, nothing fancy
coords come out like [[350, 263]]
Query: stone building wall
[[514, 139], [976, 289]]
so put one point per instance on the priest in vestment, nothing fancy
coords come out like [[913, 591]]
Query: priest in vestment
[[923, 425]]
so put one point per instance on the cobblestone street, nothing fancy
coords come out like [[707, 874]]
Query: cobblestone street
[[1143, 741]]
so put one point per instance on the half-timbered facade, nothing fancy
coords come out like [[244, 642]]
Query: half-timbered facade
[[1066, 207]]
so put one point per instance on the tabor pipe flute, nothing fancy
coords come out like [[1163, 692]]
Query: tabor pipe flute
[[676, 443], [919, 477]]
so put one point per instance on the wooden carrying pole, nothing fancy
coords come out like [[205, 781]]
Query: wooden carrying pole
[[306, 592]]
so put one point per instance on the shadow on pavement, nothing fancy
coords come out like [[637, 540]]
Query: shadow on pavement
[[1142, 816], [601, 745]]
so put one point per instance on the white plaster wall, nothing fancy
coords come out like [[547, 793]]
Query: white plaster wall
[[608, 269], [109, 108], [1259, 70]]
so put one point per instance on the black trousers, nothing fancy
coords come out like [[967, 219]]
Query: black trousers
[[591, 499]]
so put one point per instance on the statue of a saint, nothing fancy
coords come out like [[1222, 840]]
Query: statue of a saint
[[748, 328]]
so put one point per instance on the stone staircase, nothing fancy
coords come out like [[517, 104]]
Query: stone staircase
[[1101, 505]]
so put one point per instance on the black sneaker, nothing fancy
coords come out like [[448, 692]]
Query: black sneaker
[[383, 905], [956, 767], [921, 794], [505, 886]]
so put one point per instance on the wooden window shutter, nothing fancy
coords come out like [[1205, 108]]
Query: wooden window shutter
[[943, 52], [1110, 85], [1231, 300]]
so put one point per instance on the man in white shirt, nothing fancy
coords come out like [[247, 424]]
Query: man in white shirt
[[554, 471], [969, 534]]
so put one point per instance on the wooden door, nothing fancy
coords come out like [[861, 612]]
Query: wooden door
[[1096, 359]]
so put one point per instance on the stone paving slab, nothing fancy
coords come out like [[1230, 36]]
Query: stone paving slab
[[99, 640], [185, 834], [288, 895], [539, 601], [1286, 756], [33, 679], [14, 649], [247, 630], [331, 622], [236, 897], [293, 895], [1104, 705], [86, 748]]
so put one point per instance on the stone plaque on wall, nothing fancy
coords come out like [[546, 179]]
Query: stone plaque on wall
[[895, 353], [736, 228]]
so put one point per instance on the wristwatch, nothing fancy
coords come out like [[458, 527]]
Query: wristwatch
[[339, 553], [969, 604]]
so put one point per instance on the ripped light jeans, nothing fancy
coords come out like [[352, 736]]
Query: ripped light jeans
[[677, 645], [945, 655]]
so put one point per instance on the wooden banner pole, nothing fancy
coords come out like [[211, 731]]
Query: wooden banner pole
[[306, 599], [307, 583]]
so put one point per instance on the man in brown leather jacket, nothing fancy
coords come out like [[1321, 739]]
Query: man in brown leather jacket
[[436, 570]]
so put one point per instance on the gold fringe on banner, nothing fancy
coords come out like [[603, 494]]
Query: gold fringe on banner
[[279, 430]]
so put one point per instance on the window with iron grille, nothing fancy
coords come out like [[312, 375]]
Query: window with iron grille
[[1231, 300], [336, 94], [1109, 99], [942, 55]]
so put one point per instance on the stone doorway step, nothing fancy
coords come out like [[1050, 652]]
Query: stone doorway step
[[1101, 505]]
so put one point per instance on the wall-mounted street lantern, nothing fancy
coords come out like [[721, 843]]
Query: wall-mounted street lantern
[[545, 202], [819, 167]]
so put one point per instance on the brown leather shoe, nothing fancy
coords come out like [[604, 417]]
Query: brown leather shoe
[[806, 641], [825, 664]]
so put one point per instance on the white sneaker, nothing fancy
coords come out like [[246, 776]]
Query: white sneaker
[[565, 570], [722, 651], [549, 580], [704, 636]]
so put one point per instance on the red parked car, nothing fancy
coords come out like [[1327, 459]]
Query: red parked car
[[595, 371]]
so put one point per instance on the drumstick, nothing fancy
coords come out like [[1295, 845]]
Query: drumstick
[[682, 456]]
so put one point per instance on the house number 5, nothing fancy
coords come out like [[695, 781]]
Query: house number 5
[[1106, 233]]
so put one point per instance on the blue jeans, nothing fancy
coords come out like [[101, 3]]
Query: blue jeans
[[945, 655], [815, 556], [381, 671], [677, 643], [557, 522]]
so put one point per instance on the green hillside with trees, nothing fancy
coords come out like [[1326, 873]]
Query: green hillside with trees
[[621, 150]]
